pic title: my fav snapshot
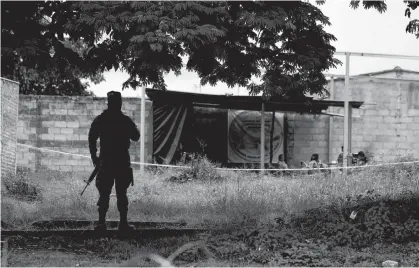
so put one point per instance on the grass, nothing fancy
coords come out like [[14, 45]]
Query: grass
[[240, 196], [241, 200]]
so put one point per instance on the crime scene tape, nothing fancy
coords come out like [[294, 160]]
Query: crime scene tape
[[86, 156], [232, 169]]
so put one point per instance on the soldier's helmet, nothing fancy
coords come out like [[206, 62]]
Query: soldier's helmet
[[114, 100]]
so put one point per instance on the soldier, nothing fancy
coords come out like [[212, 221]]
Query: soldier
[[115, 131]]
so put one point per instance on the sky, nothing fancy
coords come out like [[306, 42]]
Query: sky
[[359, 30]]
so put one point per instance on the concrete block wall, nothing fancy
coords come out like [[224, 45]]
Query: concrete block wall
[[306, 135], [9, 99], [62, 124], [388, 129]]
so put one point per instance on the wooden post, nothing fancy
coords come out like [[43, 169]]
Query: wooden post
[[262, 138], [346, 114], [142, 130]]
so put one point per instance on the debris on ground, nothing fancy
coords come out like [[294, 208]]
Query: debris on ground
[[389, 263]]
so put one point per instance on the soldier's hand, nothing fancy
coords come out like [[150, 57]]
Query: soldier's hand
[[95, 161]]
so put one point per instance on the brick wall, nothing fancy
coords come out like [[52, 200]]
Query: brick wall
[[63, 123], [9, 99], [388, 129]]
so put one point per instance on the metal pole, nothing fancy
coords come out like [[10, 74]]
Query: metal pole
[[346, 114], [393, 56], [262, 138], [350, 110], [1, 128], [142, 130], [332, 96]]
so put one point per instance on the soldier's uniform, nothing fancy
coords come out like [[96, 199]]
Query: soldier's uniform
[[115, 131]]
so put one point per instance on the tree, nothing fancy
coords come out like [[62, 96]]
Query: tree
[[413, 25], [225, 42], [49, 46], [35, 52]]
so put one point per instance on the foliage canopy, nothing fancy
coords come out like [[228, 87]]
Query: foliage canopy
[[49, 47]]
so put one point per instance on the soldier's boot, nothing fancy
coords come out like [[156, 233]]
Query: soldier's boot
[[123, 222], [101, 225]]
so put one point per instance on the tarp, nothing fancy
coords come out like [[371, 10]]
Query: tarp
[[168, 124], [231, 136], [244, 136]]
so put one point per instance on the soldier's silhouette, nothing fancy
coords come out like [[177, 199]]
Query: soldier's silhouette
[[115, 130]]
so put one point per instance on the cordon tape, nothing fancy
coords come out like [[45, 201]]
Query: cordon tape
[[232, 169]]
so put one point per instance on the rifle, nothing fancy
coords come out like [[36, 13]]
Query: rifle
[[92, 176]]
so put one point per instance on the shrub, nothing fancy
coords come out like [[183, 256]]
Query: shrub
[[199, 168], [377, 219], [21, 188]]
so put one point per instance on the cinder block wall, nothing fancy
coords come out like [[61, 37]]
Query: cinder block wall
[[9, 99], [62, 124], [306, 135], [388, 129]]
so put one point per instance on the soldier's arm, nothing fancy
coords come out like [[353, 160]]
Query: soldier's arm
[[93, 137], [134, 133]]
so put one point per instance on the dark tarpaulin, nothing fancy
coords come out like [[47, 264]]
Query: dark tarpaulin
[[211, 129], [168, 121], [173, 131]]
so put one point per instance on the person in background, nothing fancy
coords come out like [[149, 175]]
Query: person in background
[[361, 159], [314, 161], [281, 162], [280, 165], [340, 158]]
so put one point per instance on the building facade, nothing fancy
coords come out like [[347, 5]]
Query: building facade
[[387, 126]]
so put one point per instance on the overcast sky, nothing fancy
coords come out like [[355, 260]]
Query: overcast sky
[[358, 30]]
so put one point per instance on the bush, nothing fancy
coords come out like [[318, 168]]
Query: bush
[[21, 188], [198, 168], [377, 219]]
